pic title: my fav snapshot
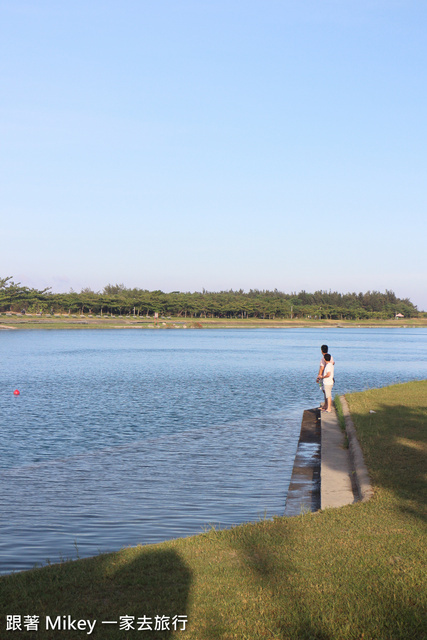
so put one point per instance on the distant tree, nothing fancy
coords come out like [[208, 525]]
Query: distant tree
[[256, 303]]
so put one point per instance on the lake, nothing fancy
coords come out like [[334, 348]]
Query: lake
[[122, 437]]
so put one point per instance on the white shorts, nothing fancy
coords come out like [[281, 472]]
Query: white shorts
[[327, 388]]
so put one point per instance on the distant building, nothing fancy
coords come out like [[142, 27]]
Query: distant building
[[399, 315]]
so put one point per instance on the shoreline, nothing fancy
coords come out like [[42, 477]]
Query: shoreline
[[34, 322]]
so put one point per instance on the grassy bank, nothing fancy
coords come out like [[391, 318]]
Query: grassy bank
[[28, 321], [350, 573]]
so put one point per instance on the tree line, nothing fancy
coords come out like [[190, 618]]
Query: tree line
[[120, 300]]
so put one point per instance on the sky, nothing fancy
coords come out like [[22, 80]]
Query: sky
[[219, 144]]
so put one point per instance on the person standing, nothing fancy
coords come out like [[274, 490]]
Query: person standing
[[324, 350], [328, 382]]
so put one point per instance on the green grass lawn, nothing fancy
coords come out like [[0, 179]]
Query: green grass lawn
[[358, 572]]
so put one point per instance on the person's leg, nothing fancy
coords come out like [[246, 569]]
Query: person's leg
[[328, 398], [323, 406]]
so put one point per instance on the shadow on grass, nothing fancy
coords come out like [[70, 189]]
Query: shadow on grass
[[133, 584], [394, 444], [275, 572]]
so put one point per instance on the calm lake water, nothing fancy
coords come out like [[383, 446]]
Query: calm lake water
[[126, 437]]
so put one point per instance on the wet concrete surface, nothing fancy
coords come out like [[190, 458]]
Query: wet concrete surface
[[304, 488]]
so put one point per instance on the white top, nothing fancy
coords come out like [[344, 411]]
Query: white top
[[328, 369]]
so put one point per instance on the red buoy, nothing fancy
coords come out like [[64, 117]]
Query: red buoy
[[16, 392]]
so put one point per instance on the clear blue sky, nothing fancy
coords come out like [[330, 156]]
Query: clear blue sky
[[183, 144]]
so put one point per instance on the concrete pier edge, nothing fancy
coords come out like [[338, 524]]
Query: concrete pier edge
[[304, 488], [344, 478], [361, 475]]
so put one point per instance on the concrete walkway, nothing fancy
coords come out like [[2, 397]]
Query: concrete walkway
[[336, 487]]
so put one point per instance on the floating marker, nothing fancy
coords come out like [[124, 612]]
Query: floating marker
[[16, 392]]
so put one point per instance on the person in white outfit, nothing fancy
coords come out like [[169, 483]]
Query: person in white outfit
[[324, 350], [328, 382]]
